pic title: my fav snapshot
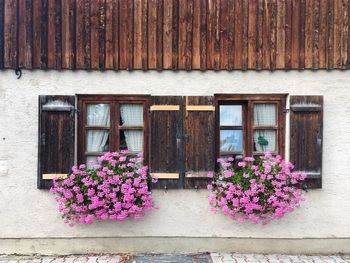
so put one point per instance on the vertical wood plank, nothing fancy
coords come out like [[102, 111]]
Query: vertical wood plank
[[44, 34], [203, 36], [288, 34], [125, 34], [36, 33], [189, 25], [252, 34], [216, 32], [109, 35], [344, 33], [322, 47], [337, 33], [175, 36], [273, 33], [315, 34], [152, 34], [137, 34], [348, 23], [116, 34], [231, 33], [167, 34], [295, 34], [238, 37], [302, 11], [210, 34], [245, 35], [25, 34], [224, 23], [182, 33], [54, 34], [196, 35], [22, 32], [68, 34], [280, 44], [159, 36], [79, 37], [308, 34], [94, 38], [266, 36], [2, 23], [102, 34], [259, 35], [11, 34]]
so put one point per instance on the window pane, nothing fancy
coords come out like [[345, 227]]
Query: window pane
[[264, 141], [264, 114], [97, 115], [97, 141], [131, 114], [231, 141], [131, 140], [231, 115]]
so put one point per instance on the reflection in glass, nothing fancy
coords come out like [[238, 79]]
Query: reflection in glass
[[97, 141], [265, 114], [231, 141], [230, 115], [131, 140], [131, 114], [98, 115], [264, 141], [91, 161]]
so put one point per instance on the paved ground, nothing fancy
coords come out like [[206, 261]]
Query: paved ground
[[202, 258]]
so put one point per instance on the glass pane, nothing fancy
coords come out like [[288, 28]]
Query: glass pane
[[231, 115], [91, 161], [231, 141], [97, 115], [264, 114], [97, 141], [131, 140], [264, 141], [131, 114]]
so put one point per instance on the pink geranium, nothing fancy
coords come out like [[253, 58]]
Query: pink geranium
[[116, 188], [258, 189]]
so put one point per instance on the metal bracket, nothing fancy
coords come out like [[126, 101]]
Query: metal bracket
[[18, 73], [285, 110]]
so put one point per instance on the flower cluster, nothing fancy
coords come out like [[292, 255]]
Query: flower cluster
[[116, 188], [255, 189]]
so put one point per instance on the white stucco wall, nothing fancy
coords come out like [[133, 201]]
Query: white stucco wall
[[26, 212]]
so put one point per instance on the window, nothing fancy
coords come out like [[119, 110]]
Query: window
[[111, 123], [250, 125]]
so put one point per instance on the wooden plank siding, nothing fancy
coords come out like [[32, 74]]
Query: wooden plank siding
[[175, 34]]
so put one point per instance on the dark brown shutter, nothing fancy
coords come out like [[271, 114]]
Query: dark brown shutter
[[166, 151], [306, 121], [56, 137], [199, 140]]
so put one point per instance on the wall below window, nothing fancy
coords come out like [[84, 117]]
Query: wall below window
[[27, 213]]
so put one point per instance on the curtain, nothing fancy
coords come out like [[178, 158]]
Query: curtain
[[97, 115], [132, 115], [265, 115]]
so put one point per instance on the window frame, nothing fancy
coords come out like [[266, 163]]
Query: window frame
[[248, 120], [115, 128]]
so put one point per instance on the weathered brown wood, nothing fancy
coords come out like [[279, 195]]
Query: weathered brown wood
[[199, 129], [56, 139], [152, 34], [2, 23], [167, 34], [94, 33], [166, 142], [159, 36], [137, 34], [295, 34], [175, 34], [11, 34], [306, 136], [281, 37], [288, 34]]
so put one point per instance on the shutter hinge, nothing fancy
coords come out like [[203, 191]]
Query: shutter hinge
[[285, 110]]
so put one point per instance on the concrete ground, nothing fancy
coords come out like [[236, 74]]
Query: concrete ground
[[200, 258]]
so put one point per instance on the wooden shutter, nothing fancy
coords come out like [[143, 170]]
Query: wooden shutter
[[199, 140], [56, 138], [166, 151], [306, 121]]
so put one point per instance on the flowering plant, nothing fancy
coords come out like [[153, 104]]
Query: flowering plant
[[258, 190], [116, 188]]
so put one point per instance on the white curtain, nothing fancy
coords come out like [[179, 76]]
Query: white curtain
[[132, 115], [265, 115], [97, 115]]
